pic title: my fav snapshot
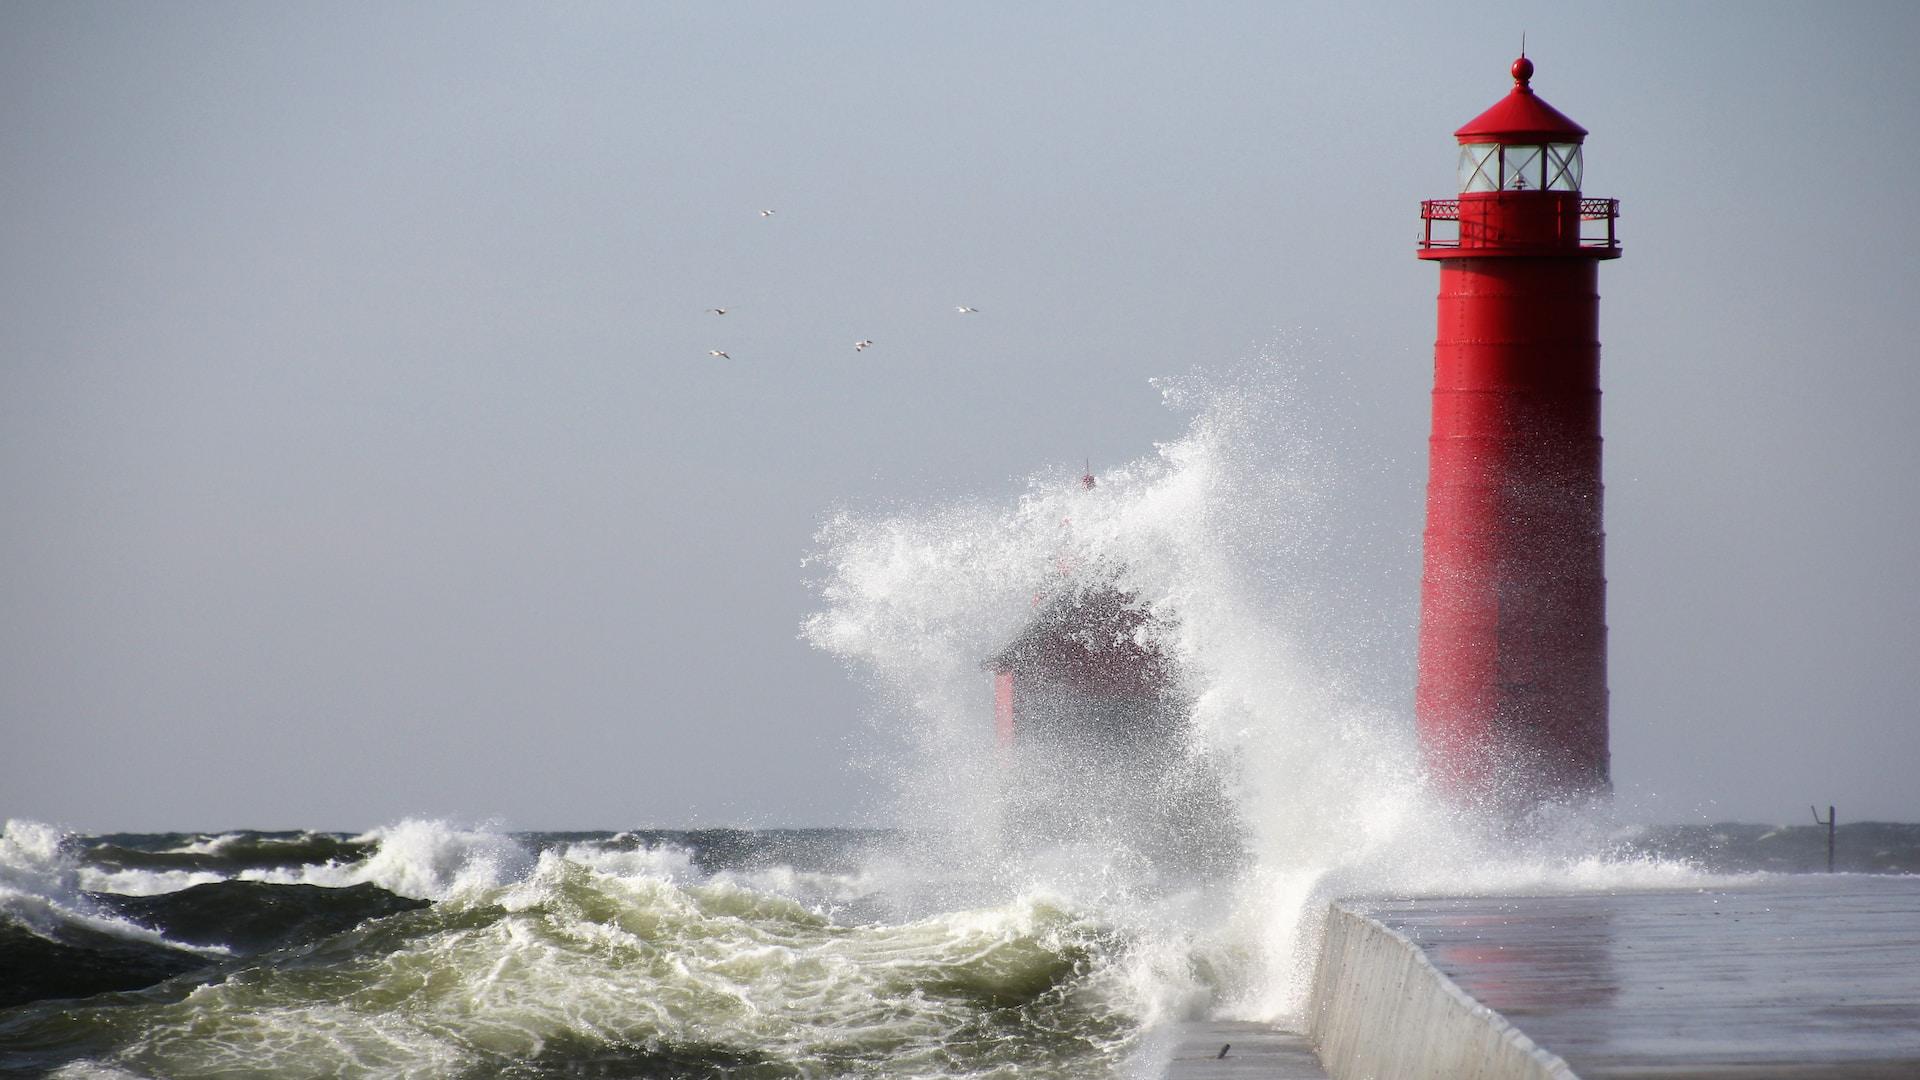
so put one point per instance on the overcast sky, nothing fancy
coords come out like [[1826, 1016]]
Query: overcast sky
[[361, 455]]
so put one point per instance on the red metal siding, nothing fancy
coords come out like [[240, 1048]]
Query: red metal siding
[[1003, 707], [1513, 601]]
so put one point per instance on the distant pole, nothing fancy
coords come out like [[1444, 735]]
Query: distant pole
[[1829, 824]]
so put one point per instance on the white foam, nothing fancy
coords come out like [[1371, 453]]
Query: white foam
[[207, 845], [570, 955], [39, 877], [131, 882], [425, 860], [92, 1070], [669, 862]]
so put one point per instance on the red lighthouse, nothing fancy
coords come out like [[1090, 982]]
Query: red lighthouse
[[1512, 698]]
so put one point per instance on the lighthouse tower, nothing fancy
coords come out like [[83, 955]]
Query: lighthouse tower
[[1512, 697]]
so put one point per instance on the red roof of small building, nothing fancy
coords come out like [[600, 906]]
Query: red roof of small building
[[1521, 117], [1089, 637]]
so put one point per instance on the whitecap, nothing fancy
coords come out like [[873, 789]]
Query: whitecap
[[43, 888], [422, 859]]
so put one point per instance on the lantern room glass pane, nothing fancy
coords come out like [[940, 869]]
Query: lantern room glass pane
[[1480, 167], [1522, 169], [1563, 166]]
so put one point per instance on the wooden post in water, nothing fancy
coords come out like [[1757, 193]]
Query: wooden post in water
[[1829, 824]]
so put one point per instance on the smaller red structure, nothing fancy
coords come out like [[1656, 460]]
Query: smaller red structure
[[1095, 726], [1083, 670]]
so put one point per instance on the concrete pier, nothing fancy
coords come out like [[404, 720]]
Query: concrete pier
[[1786, 977]]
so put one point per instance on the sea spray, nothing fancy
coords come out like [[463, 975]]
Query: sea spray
[[39, 876], [1288, 617]]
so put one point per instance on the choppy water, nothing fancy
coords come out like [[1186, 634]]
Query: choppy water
[[425, 950], [422, 950], [1028, 914]]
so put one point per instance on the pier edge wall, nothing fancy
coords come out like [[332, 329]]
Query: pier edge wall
[[1380, 1009]]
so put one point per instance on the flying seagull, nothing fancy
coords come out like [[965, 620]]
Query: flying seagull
[[718, 353], [718, 310], [766, 213], [861, 346], [967, 310]]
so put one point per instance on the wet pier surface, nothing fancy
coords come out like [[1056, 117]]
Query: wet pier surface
[[1805, 976], [1229, 1050]]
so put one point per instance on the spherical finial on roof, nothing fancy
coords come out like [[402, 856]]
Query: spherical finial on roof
[[1522, 71]]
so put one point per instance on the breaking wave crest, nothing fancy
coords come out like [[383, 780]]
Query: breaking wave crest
[[41, 889], [1273, 593]]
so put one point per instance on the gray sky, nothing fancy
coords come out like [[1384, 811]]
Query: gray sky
[[361, 455]]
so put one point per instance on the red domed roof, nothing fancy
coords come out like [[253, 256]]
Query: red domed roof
[[1521, 117]]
